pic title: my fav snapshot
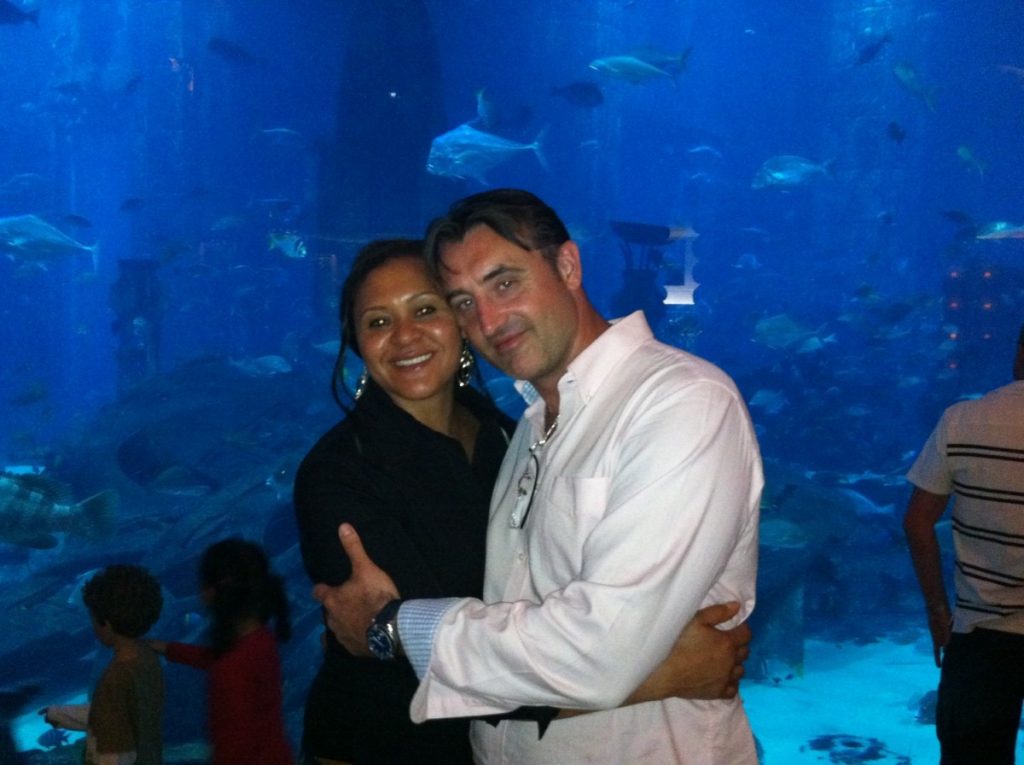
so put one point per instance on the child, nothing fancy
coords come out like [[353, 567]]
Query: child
[[122, 723], [246, 723]]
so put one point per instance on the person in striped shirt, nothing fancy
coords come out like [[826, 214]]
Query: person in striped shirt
[[976, 455]]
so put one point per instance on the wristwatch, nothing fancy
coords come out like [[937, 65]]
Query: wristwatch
[[382, 635]]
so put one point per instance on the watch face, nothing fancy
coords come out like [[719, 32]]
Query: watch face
[[380, 643]]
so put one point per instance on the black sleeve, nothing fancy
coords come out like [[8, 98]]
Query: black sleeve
[[331, 489]]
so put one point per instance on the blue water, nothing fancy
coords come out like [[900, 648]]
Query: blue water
[[210, 140]]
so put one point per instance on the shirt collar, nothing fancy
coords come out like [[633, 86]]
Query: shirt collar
[[588, 371]]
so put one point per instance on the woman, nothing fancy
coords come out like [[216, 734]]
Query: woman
[[411, 467]]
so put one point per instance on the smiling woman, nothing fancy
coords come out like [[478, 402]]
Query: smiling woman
[[408, 339], [411, 466]]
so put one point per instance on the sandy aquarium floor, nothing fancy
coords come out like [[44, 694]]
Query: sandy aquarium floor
[[853, 703]]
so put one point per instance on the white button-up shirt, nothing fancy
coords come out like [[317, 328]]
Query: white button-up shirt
[[644, 510]]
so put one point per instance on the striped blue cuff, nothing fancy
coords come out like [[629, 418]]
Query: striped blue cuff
[[417, 623]]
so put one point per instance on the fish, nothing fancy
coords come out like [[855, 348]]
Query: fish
[[705, 149], [34, 508], [181, 481], [291, 245], [263, 366], [957, 216], [13, 14], [1000, 229], [872, 49], [770, 401], [666, 61], [231, 52], [583, 94], [896, 132], [968, 157], [782, 534], [911, 81], [329, 347], [31, 394], [788, 170], [30, 238], [282, 136], [23, 184], [629, 68], [466, 152], [782, 333], [53, 738], [1016, 71]]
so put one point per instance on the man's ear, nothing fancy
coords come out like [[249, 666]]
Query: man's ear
[[568, 264]]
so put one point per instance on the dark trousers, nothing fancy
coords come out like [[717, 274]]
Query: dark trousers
[[980, 693]]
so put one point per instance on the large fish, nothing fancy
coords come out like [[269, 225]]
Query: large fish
[[911, 81], [782, 333], [33, 509], [1001, 229], [629, 68], [787, 170], [27, 237], [466, 152]]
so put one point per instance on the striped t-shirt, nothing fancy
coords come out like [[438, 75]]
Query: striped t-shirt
[[977, 453]]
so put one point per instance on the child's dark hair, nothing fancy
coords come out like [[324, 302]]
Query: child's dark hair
[[126, 597], [238, 575]]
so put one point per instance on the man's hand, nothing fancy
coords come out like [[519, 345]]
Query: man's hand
[[352, 605], [705, 662]]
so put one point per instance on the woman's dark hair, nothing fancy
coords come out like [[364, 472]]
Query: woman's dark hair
[[367, 260], [515, 215], [238, 574], [126, 597]]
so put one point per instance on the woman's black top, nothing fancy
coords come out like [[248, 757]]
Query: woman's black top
[[421, 510]]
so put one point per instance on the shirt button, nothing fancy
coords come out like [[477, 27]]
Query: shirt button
[[522, 557]]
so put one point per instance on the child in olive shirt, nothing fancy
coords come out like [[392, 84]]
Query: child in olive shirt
[[122, 722]]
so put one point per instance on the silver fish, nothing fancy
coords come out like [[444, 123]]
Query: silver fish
[[629, 68], [787, 170], [1001, 229], [289, 244], [466, 152], [263, 366], [34, 508], [28, 237]]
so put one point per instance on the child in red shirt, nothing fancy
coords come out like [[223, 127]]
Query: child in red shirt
[[246, 723]]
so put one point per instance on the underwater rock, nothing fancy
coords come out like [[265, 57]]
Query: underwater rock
[[196, 455], [845, 749]]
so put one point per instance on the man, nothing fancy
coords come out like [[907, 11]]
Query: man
[[628, 499], [977, 453]]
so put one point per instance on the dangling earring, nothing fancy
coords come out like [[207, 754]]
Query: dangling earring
[[361, 383], [465, 365]]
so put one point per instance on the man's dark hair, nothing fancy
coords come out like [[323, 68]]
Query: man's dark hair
[[126, 597], [515, 215]]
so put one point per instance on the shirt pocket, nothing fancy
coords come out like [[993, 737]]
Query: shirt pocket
[[574, 506]]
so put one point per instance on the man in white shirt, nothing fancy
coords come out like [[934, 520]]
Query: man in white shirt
[[976, 452], [627, 501]]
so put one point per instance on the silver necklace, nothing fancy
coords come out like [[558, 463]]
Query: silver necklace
[[547, 434]]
